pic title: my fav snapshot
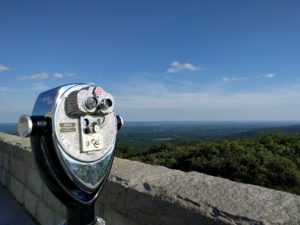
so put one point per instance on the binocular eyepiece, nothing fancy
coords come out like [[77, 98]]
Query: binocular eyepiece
[[73, 131]]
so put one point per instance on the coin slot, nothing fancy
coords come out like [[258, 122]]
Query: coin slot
[[86, 122]]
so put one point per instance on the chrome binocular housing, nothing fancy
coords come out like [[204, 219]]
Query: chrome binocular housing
[[73, 131]]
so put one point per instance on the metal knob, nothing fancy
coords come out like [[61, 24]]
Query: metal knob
[[31, 125], [25, 126], [120, 122]]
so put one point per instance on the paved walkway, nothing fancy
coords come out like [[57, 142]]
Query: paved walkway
[[11, 213]]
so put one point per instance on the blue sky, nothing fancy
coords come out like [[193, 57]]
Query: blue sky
[[162, 60]]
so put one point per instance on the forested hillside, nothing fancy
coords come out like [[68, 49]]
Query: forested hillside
[[271, 160]]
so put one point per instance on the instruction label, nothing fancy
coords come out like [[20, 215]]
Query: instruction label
[[67, 127]]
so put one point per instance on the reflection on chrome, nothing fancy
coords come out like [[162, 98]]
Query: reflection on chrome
[[88, 175]]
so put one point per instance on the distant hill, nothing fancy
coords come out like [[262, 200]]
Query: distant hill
[[147, 134], [293, 129]]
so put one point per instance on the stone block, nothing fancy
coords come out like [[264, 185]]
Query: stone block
[[19, 170], [99, 208], [44, 215], [58, 218], [17, 189], [17, 147], [30, 202], [112, 217], [15, 141], [24, 154], [6, 161], [136, 172], [2, 158], [52, 202], [3, 176], [34, 183], [114, 195]]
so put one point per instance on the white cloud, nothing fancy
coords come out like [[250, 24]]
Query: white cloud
[[226, 79], [62, 75], [58, 75], [229, 79], [176, 67], [268, 75], [38, 76], [4, 68]]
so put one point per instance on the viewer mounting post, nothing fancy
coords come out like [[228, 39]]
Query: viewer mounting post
[[73, 131]]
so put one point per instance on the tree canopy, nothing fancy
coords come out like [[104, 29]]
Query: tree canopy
[[271, 160]]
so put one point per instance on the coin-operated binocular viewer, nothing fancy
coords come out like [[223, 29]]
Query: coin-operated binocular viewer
[[73, 131]]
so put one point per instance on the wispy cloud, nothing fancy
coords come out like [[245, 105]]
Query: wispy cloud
[[176, 67], [162, 102], [4, 89], [230, 79], [45, 75], [158, 95], [4, 68], [268, 75], [38, 76], [70, 74], [62, 75], [58, 75], [216, 106]]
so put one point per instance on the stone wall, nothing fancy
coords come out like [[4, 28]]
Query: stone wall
[[140, 194]]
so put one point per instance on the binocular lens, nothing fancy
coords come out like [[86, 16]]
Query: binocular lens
[[106, 103], [91, 103]]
